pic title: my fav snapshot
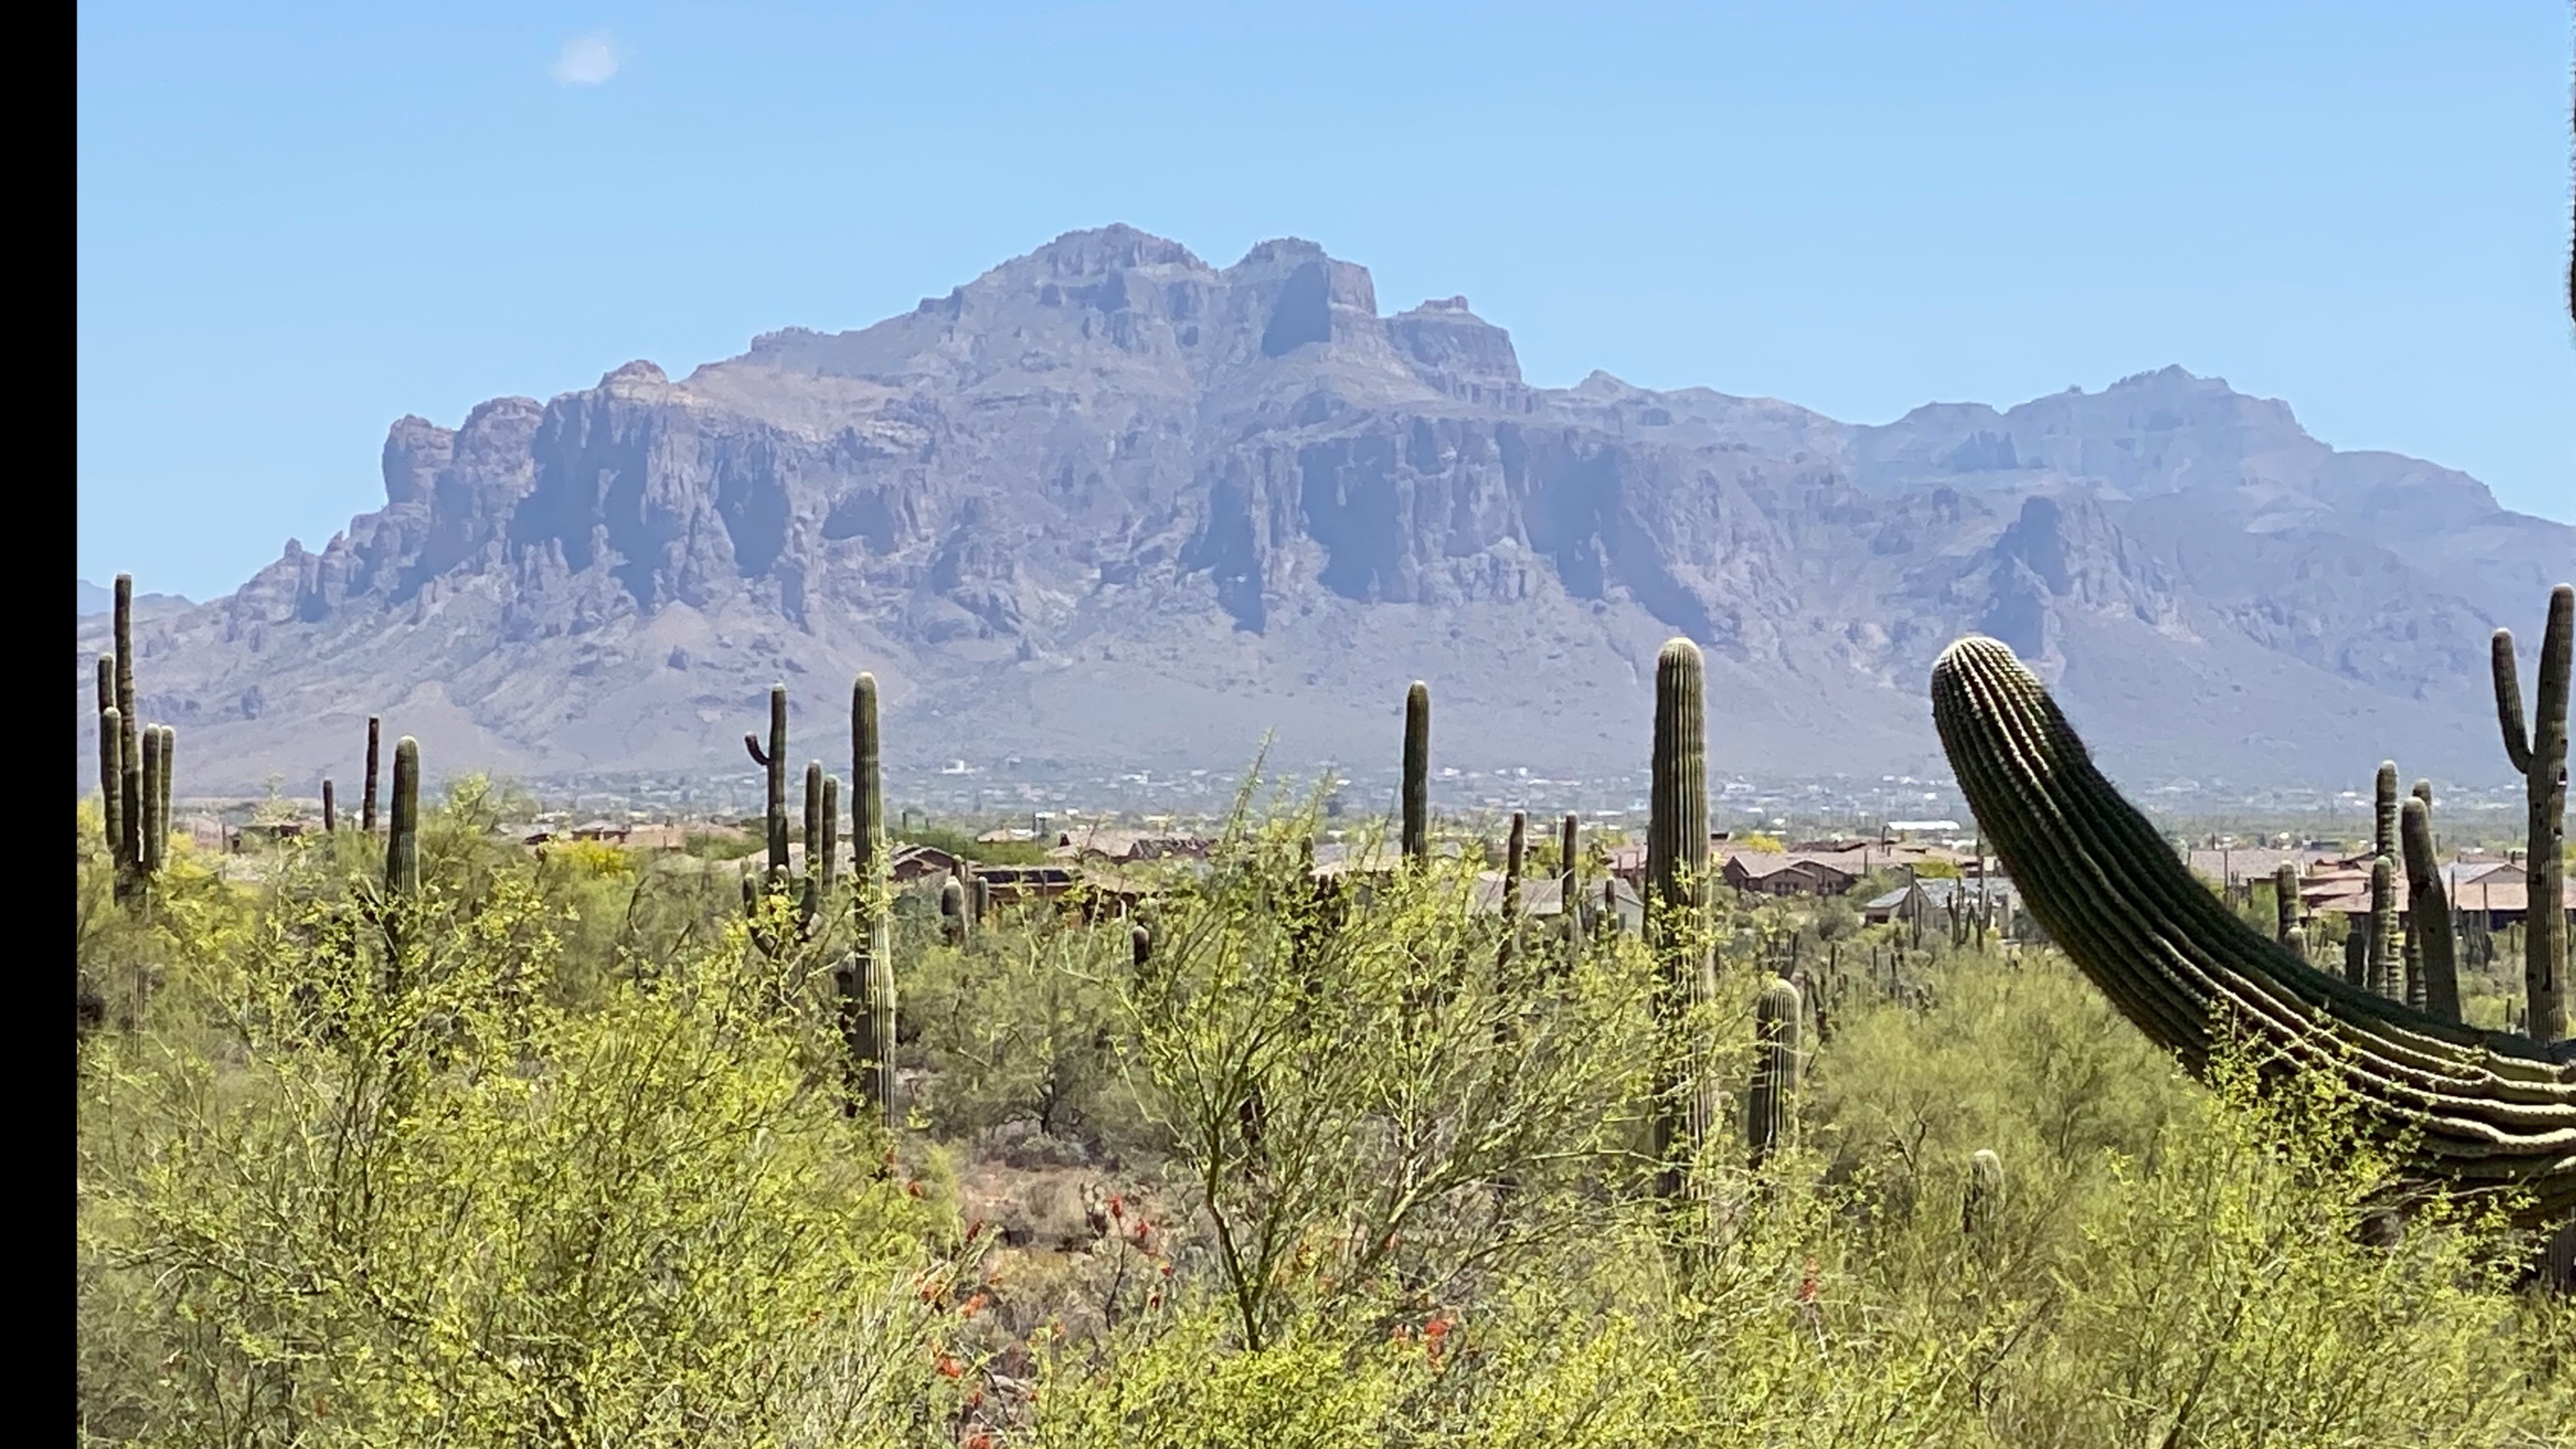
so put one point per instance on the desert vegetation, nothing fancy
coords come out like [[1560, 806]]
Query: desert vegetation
[[427, 1138]]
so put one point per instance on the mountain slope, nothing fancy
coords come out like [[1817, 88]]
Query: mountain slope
[[1110, 506]]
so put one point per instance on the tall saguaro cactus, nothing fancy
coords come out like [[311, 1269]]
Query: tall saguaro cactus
[[1569, 887], [111, 775], [2471, 1109], [367, 806], [2434, 953], [2384, 951], [774, 760], [330, 810], [402, 839], [1515, 858], [2285, 901], [866, 979], [129, 740], [1677, 903], [1416, 789], [2541, 756]]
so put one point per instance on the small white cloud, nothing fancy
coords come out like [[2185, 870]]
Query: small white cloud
[[587, 60]]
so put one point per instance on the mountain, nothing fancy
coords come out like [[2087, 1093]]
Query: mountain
[[1110, 506], [99, 599]]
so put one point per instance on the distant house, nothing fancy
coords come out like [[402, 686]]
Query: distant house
[[2499, 893], [1926, 901], [608, 832], [1127, 846], [1012, 884], [1543, 896], [265, 832], [1766, 873], [910, 863]]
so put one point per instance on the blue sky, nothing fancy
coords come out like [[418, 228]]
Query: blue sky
[[298, 222]]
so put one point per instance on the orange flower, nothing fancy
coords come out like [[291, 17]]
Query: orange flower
[[949, 1368], [912, 1189], [1807, 1283], [1117, 1206], [975, 1305], [977, 1440]]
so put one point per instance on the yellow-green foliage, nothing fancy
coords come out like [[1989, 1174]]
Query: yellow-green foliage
[[570, 1165]]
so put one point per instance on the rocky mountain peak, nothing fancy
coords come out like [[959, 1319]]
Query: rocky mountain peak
[[1107, 502]]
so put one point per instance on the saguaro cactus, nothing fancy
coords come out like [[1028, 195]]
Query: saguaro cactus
[[330, 811], [169, 768], [1515, 857], [866, 978], [1416, 789], [1771, 1105], [952, 912], [2432, 952], [2285, 901], [774, 760], [402, 840], [111, 789], [1569, 887], [1140, 948], [148, 841], [367, 805], [1677, 884], [2384, 947], [1983, 1206], [2541, 756], [2473, 1109], [129, 741]]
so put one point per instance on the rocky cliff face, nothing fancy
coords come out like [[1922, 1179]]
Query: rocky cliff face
[[1109, 504]]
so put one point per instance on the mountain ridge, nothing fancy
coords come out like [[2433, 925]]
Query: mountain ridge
[[1109, 504]]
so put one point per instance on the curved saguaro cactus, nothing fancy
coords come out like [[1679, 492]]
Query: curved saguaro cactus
[[1677, 901], [2473, 1109], [2435, 954], [2541, 757], [1416, 789], [2285, 901], [1771, 1105]]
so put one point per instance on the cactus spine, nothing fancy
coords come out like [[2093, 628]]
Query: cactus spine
[[367, 805], [2472, 1109], [1416, 790], [1676, 879], [2285, 901], [2435, 980], [2541, 757], [866, 978], [1771, 1106]]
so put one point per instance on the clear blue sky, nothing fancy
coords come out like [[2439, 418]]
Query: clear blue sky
[[298, 222]]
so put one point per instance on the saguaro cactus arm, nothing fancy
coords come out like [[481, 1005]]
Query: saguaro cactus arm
[[2476, 1109], [2428, 911]]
